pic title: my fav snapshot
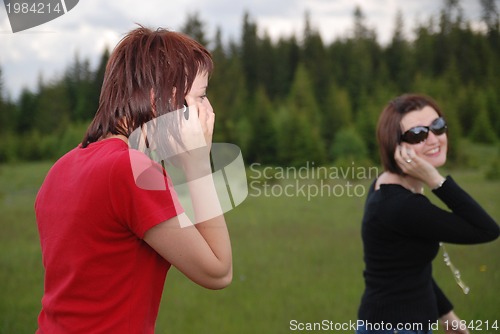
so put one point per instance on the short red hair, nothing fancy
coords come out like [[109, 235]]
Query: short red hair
[[142, 75], [389, 129]]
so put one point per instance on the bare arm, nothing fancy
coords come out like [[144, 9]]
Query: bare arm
[[202, 251]]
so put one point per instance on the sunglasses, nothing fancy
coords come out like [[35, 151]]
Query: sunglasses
[[420, 133]]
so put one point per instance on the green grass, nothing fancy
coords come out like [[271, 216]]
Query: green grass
[[21, 276], [293, 259]]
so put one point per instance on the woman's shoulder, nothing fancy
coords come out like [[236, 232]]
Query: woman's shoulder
[[387, 179], [391, 198], [146, 173]]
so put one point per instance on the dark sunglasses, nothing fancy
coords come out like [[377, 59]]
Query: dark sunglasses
[[420, 133]]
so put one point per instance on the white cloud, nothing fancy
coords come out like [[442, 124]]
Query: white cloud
[[95, 24]]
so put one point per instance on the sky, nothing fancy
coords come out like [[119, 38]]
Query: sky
[[92, 25]]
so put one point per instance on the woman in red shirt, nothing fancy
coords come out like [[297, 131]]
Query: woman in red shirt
[[109, 220]]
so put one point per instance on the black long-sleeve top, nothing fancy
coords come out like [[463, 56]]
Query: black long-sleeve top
[[401, 232]]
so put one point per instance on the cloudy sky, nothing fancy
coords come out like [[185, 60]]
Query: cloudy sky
[[92, 25]]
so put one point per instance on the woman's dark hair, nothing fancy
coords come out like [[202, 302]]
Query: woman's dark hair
[[148, 75], [389, 129]]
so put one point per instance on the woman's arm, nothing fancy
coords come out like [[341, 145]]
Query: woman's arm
[[467, 223], [444, 305], [202, 251]]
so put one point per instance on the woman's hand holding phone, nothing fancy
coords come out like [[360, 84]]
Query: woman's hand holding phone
[[415, 166]]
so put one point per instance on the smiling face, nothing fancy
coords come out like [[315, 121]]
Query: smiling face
[[435, 147]]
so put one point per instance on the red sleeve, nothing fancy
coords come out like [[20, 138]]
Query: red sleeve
[[141, 193]]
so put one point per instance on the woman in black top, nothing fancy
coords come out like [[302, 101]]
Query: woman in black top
[[402, 229]]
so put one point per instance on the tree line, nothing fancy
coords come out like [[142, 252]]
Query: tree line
[[295, 100]]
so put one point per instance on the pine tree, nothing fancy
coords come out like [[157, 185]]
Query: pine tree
[[195, 28], [482, 130], [249, 54], [398, 57], [3, 111], [299, 140], [315, 59], [337, 113], [263, 142]]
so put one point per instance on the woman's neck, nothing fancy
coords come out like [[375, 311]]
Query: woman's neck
[[412, 184], [122, 137], [406, 181]]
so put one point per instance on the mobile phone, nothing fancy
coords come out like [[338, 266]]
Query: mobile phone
[[186, 110]]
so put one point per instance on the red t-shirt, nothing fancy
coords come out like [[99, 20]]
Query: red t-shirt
[[100, 276]]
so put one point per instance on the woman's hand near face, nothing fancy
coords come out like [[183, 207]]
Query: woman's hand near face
[[200, 249], [204, 114], [414, 166], [196, 130]]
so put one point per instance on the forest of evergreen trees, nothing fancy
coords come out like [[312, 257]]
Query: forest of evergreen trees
[[293, 100]]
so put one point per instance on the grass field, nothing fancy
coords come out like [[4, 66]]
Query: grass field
[[294, 259]]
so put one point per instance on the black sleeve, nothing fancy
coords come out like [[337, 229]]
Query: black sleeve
[[467, 223], [443, 304]]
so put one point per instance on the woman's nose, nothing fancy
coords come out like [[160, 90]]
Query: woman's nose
[[431, 138]]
